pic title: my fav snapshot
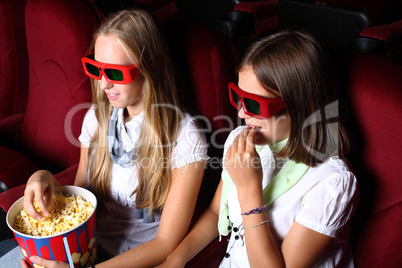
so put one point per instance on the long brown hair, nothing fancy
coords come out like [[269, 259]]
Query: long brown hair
[[138, 34], [294, 64]]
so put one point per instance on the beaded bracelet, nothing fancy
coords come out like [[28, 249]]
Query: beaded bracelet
[[258, 224], [256, 210]]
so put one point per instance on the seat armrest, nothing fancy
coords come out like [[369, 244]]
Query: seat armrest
[[389, 32], [67, 176], [389, 35], [8, 197]]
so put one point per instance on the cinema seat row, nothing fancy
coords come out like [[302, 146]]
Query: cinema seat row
[[45, 95]]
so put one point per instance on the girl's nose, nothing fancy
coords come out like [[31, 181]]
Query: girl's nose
[[241, 113], [104, 84]]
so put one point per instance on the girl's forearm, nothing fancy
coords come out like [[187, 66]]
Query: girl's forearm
[[203, 233], [156, 251], [149, 254], [261, 248]]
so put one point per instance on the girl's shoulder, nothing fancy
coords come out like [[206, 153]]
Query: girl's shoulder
[[91, 112], [89, 126], [191, 143], [333, 165], [330, 196], [190, 129], [335, 176], [188, 123]]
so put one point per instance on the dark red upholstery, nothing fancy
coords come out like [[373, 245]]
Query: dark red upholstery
[[206, 63], [8, 198], [163, 9], [13, 67], [384, 32], [58, 34], [391, 34], [376, 97], [338, 23], [237, 19], [383, 11], [265, 14]]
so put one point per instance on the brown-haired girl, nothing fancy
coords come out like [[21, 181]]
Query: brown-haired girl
[[140, 154], [286, 194]]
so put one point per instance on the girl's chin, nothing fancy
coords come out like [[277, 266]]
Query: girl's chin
[[116, 105], [260, 139]]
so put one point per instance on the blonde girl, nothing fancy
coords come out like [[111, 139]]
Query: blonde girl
[[141, 154]]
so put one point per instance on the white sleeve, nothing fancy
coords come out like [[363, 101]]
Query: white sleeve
[[88, 127], [191, 144], [330, 204]]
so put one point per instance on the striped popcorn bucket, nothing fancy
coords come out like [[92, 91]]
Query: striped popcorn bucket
[[76, 246]]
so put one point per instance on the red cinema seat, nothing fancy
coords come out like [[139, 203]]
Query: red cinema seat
[[58, 34], [265, 14], [390, 35], [206, 62], [376, 96], [162, 9], [13, 68]]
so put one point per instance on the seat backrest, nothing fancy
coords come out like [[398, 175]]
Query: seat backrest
[[13, 58], [206, 62], [162, 9], [58, 34], [334, 24], [383, 11], [376, 95]]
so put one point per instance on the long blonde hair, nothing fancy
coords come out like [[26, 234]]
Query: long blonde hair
[[139, 36]]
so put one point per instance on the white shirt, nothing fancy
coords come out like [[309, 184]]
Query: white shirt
[[323, 200], [117, 228]]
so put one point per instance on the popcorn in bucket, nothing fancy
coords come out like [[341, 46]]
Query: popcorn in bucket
[[50, 238]]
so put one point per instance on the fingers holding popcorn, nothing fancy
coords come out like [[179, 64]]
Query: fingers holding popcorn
[[66, 213], [39, 189]]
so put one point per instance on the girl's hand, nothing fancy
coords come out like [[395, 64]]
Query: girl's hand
[[39, 188], [243, 162], [45, 263]]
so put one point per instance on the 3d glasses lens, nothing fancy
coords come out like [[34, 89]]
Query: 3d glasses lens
[[235, 98], [92, 69], [113, 74], [252, 106]]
